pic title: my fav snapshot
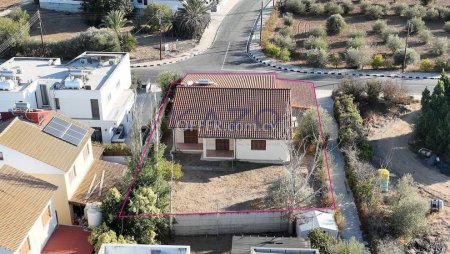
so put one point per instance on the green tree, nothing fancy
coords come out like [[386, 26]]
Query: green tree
[[192, 19], [378, 61], [103, 234], [17, 29], [374, 89], [335, 59], [335, 24], [166, 78], [19, 15], [321, 240], [347, 247], [154, 12], [115, 20], [308, 129], [95, 10]]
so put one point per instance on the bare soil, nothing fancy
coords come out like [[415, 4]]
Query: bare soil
[[357, 21], [5, 4], [391, 148]]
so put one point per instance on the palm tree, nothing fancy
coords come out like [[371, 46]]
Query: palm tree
[[192, 18], [115, 20]]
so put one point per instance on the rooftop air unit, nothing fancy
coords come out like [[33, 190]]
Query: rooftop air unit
[[83, 61], [6, 73]]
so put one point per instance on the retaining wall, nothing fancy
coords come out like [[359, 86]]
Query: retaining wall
[[61, 5]]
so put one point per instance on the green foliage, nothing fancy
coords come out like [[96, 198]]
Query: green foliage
[[395, 94], [317, 9], [425, 36], [415, 11], [313, 42], [127, 42], [357, 42], [409, 209], [335, 59], [426, 65], [295, 6], [95, 10], [285, 55], [332, 7], [379, 26], [447, 27], [374, 88], [191, 19], [400, 8], [375, 11], [394, 42], [442, 64], [346, 247], [444, 13], [318, 32], [153, 12], [317, 57], [164, 79], [287, 31], [377, 61], [351, 87], [347, 6], [284, 42], [426, 2], [432, 14], [433, 128], [358, 58], [388, 32], [412, 56], [288, 19], [335, 24], [416, 25], [19, 15], [115, 20], [308, 129], [16, 29], [321, 240], [272, 50], [103, 234], [281, 193], [440, 46], [357, 34], [117, 148]]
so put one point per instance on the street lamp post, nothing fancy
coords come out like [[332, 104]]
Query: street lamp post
[[158, 14]]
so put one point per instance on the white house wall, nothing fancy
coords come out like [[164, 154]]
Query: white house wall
[[61, 5], [82, 167], [179, 135], [8, 98], [39, 233], [76, 103], [276, 151]]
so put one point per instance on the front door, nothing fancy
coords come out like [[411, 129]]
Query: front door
[[222, 144], [191, 136]]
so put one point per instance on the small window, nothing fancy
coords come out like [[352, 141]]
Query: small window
[[1, 156], [72, 174], [86, 152], [46, 216], [258, 145], [57, 103]]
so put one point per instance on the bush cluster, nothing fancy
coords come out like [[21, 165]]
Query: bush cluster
[[296, 7], [375, 11], [332, 7], [335, 24], [358, 57], [400, 8], [313, 42], [379, 26], [426, 65], [440, 46], [412, 56], [318, 32], [415, 25], [357, 42], [425, 36], [415, 11], [393, 42], [317, 57], [432, 14], [288, 19]]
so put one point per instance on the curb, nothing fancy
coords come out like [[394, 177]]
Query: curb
[[168, 62]]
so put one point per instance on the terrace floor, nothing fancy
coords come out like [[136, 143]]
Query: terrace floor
[[68, 240]]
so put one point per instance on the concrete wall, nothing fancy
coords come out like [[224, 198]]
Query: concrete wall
[[61, 5], [276, 151], [233, 223], [76, 103]]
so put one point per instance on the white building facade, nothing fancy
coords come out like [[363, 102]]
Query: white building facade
[[93, 88]]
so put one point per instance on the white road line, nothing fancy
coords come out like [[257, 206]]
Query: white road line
[[225, 58]]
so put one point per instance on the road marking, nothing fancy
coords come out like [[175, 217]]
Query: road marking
[[225, 57]]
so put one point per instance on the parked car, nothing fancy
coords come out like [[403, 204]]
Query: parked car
[[425, 152], [119, 135]]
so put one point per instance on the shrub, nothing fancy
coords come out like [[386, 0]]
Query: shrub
[[426, 2], [379, 26], [335, 59], [426, 65], [440, 46], [351, 87], [447, 26], [400, 8], [415, 11], [387, 32], [286, 31], [320, 240], [117, 149], [375, 11], [165, 79], [352, 246], [394, 42], [442, 64], [333, 8], [377, 61], [317, 57], [284, 42], [395, 94], [285, 55], [374, 88], [411, 56], [150, 18], [347, 6], [288, 19], [444, 13], [358, 34], [358, 58], [317, 9], [425, 36], [308, 4], [295, 6], [272, 50], [335, 24], [313, 42], [357, 42], [432, 14], [318, 32], [415, 25], [127, 42], [308, 130]]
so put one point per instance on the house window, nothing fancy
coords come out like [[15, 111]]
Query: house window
[[1, 156], [95, 110], [258, 145], [72, 174], [57, 103], [46, 216], [191, 136], [86, 152], [109, 97], [25, 249]]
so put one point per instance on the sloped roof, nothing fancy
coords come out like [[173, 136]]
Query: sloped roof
[[233, 112], [23, 198], [28, 138]]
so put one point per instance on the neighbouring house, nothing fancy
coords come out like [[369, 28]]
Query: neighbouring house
[[93, 88], [109, 248], [266, 244], [54, 148], [238, 116], [28, 216]]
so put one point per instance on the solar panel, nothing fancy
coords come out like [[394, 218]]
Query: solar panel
[[65, 131]]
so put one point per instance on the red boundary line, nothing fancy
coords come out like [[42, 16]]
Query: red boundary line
[[150, 136]]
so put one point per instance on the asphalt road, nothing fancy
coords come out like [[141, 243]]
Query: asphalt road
[[228, 53]]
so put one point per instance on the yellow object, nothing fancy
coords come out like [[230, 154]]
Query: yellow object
[[383, 173]]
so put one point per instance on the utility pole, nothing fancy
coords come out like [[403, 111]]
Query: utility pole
[[158, 14], [261, 29], [408, 28], [42, 34]]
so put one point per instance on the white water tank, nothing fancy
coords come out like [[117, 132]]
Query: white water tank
[[94, 216], [73, 83], [6, 84]]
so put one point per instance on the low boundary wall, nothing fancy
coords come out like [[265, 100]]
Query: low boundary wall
[[61, 5]]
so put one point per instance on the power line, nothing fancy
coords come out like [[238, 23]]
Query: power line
[[12, 39]]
